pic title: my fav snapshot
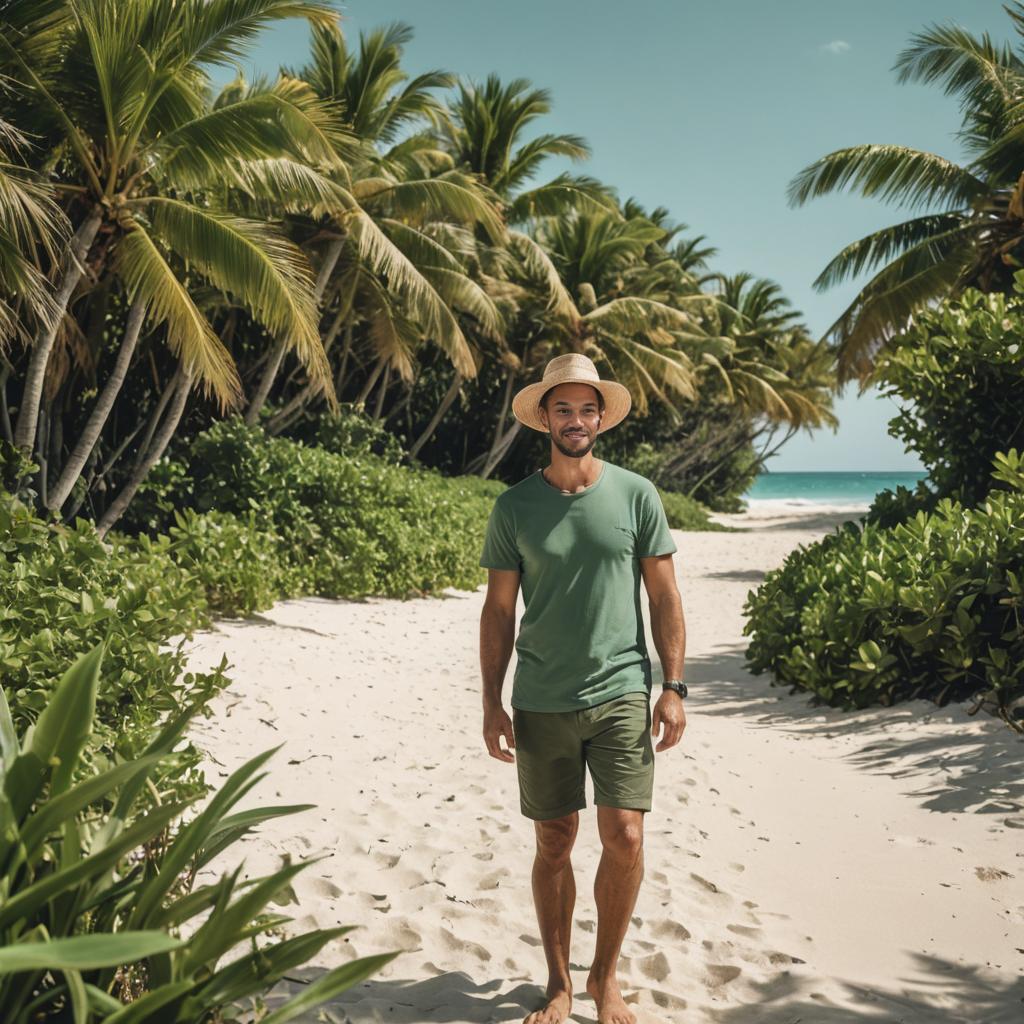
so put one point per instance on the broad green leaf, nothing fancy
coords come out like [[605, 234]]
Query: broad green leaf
[[64, 726], [333, 983], [85, 952]]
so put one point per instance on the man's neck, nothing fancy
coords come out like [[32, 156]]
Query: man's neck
[[572, 474]]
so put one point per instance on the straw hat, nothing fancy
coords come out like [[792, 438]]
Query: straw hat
[[571, 368]]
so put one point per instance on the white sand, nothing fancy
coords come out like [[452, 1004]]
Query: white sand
[[803, 864]]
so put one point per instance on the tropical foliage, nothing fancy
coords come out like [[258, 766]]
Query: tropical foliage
[[929, 608], [968, 223], [342, 231], [96, 876]]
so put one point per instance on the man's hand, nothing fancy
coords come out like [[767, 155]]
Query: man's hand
[[497, 724], [670, 716]]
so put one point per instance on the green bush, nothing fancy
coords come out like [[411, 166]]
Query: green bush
[[891, 507], [62, 590], [240, 567], [960, 371], [97, 882], [928, 608], [685, 513], [351, 433], [346, 526]]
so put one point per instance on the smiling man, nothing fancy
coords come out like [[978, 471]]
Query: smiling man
[[578, 536]]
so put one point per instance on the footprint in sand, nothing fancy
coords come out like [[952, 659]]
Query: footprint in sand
[[736, 866], [655, 966], [493, 878], [742, 929], [400, 934], [710, 886], [457, 945], [670, 931], [324, 888], [721, 974], [992, 874], [667, 1001], [585, 925]]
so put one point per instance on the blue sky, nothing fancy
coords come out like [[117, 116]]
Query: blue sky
[[708, 108]]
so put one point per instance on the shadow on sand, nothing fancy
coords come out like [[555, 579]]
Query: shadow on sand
[[941, 992], [983, 771]]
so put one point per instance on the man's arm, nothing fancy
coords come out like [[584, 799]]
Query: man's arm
[[497, 638], [669, 631]]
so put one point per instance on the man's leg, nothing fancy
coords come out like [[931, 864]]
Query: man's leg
[[615, 891], [554, 896]]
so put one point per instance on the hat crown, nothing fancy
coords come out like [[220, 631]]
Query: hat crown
[[574, 362]]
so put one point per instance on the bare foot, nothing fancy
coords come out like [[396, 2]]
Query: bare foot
[[557, 1008], [610, 1007]]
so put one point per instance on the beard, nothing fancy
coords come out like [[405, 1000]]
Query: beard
[[574, 448]]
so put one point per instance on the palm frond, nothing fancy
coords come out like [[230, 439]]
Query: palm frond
[[452, 196], [538, 263], [561, 194], [261, 269], [149, 278], [884, 245], [908, 176], [426, 305]]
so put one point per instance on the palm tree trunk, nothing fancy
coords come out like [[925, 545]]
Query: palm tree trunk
[[370, 381], [381, 392], [482, 460], [259, 399], [346, 351], [182, 386], [278, 421], [154, 420], [494, 459], [101, 410], [28, 414], [42, 436], [5, 413], [446, 402]]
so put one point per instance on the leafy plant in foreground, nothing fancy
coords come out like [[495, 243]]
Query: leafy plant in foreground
[[95, 889]]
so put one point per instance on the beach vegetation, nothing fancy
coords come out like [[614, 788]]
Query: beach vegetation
[[100, 918], [342, 232], [967, 228], [930, 608]]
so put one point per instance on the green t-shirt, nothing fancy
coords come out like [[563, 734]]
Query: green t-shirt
[[581, 638]]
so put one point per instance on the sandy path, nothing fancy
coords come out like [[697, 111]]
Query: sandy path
[[802, 864]]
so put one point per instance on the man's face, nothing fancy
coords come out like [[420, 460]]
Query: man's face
[[572, 417]]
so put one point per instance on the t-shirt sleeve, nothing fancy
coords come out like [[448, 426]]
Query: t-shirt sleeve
[[653, 536], [500, 550]]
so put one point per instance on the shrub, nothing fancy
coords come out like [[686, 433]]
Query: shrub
[[928, 608], [62, 590], [685, 513], [97, 888], [240, 566], [346, 526], [960, 370]]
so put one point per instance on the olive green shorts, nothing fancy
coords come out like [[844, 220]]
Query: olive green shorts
[[612, 739]]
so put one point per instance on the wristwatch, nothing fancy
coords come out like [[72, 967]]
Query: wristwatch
[[675, 684]]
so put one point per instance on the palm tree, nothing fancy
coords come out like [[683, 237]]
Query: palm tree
[[411, 202], [971, 228], [119, 94], [31, 222]]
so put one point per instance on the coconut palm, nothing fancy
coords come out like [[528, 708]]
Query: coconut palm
[[120, 95], [403, 190], [970, 230]]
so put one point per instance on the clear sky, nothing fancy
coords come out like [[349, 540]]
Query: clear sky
[[708, 108]]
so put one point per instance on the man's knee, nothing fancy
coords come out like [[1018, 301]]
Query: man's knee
[[555, 838], [623, 836]]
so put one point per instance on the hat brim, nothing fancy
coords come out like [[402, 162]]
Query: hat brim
[[617, 402]]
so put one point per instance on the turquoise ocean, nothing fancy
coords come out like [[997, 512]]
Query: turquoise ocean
[[835, 488]]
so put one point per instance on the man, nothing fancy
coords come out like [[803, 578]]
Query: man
[[579, 535]]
